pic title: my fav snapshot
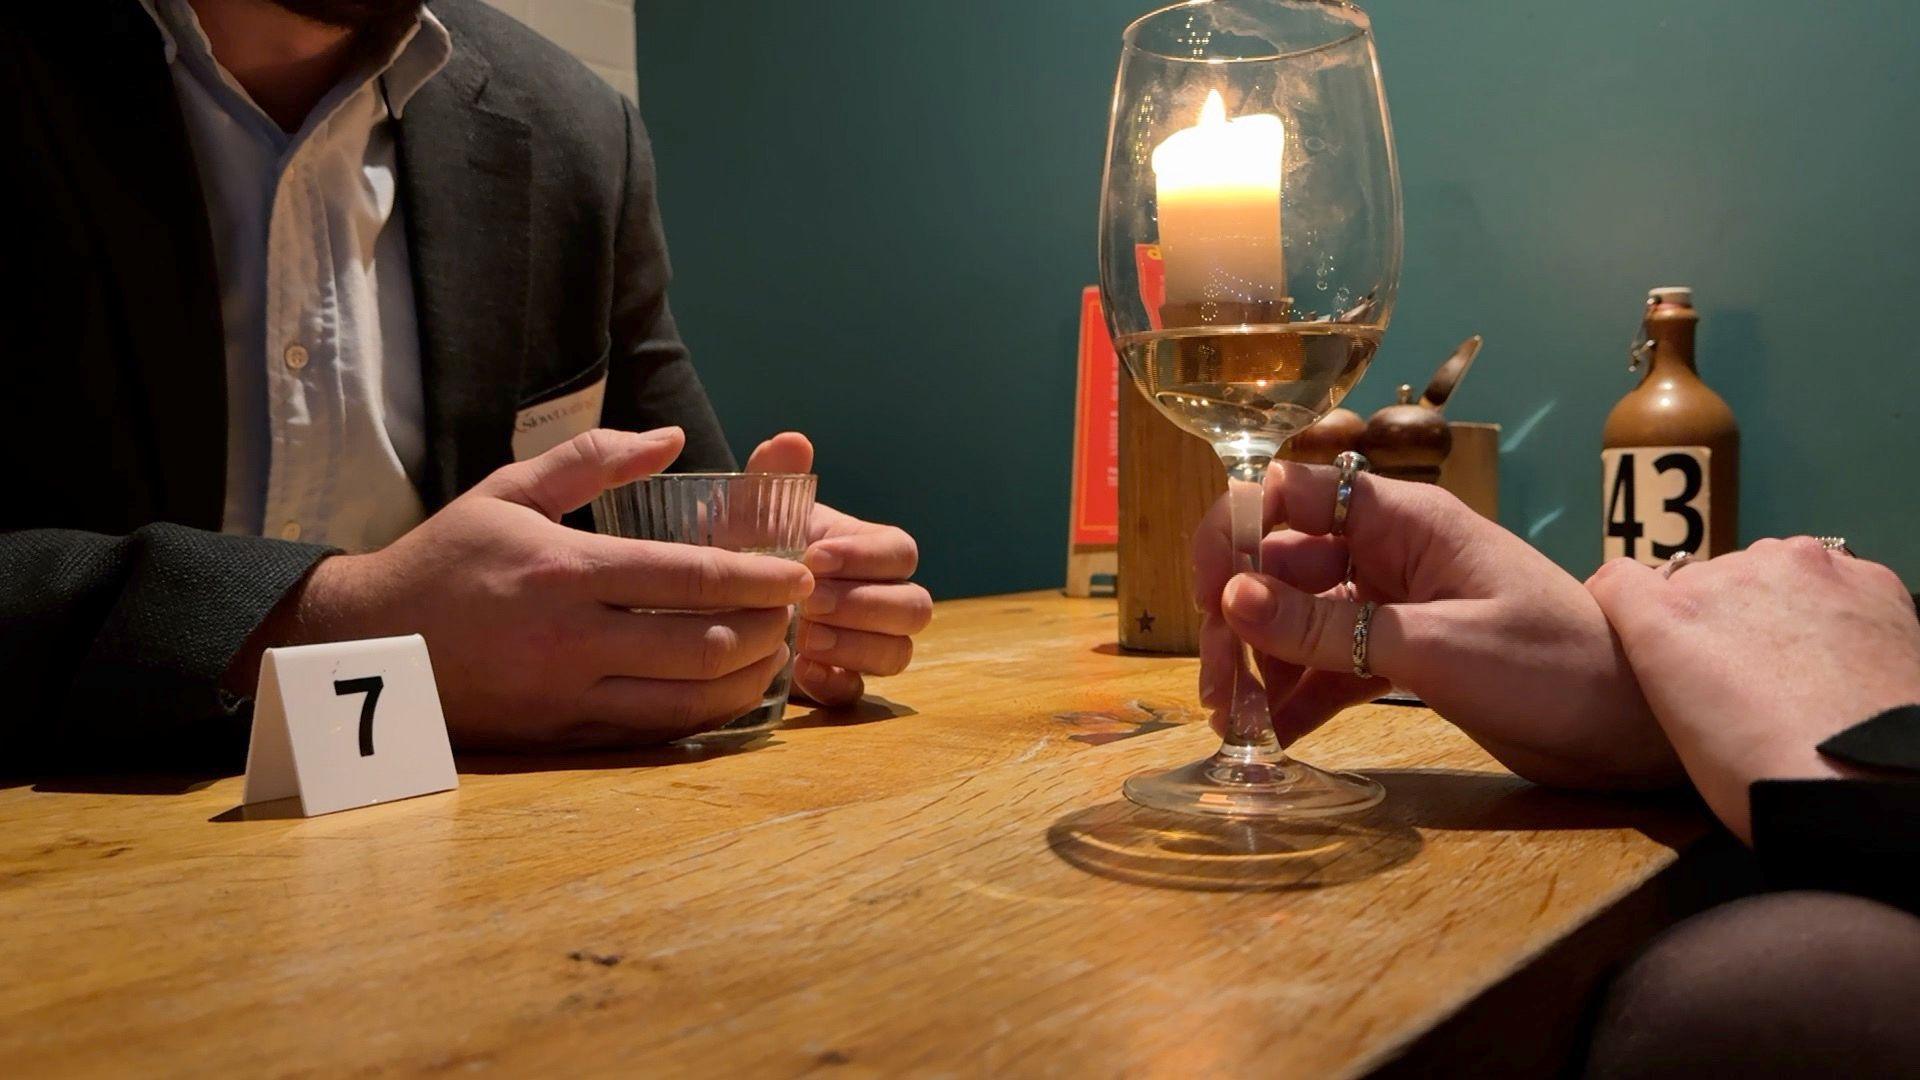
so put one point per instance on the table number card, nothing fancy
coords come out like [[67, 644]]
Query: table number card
[[347, 724]]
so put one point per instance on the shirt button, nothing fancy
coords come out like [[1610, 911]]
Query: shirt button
[[296, 357], [290, 531]]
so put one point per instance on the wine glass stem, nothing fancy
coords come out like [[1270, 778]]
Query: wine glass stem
[[1250, 725]]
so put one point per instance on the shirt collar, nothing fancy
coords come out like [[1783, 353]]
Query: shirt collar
[[418, 56]]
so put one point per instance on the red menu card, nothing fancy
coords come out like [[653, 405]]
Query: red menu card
[[1096, 430]]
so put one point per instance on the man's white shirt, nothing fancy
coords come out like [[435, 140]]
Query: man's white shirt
[[325, 411]]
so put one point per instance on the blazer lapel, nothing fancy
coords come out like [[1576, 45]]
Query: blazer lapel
[[465, 179]]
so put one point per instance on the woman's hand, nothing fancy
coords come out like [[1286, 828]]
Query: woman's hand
[[1487, 630], [1754, 658]]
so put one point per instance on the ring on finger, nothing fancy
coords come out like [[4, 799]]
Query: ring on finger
[[1352, 463], [1674, 562], [1836, 544], [1362, 632]]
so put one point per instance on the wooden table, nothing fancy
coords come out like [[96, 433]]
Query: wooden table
[[940, 882]]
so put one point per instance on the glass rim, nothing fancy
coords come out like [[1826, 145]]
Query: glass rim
[[1129, 37]]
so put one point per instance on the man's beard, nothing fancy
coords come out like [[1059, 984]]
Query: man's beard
[[377, 17]]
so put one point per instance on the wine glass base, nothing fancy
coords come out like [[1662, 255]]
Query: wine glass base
[[1249, 784]]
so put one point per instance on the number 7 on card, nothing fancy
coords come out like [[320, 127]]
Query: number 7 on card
[[347, 724]]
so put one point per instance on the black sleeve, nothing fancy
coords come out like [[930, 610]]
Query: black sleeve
[[112, 647], [1855, 835], [651, 381]]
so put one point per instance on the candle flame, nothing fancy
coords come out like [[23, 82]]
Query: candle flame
[[1214, 112], [1219, 153]]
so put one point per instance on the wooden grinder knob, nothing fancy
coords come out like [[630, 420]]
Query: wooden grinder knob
[[1407, 441]]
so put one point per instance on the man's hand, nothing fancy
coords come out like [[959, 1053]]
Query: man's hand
[[529, 622], [1487, 630], [1754, 658], [864, 612]]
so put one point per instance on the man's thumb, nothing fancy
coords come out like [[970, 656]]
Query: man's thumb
[[787, 452], [1312, 631], [568, 476]]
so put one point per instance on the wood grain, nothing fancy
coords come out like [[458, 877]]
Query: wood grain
[[942, 882], [1168, 479]]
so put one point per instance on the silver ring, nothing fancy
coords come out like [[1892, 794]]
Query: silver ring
[[1675, 562], [1362, 630], [1352, 463], [1836, 544]]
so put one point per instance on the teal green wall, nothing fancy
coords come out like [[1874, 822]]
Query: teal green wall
[[881, 213]]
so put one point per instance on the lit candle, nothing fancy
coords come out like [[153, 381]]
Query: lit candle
[[1218, 189]]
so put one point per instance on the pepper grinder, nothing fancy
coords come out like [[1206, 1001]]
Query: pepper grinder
[[1329, 437], [1407, 440], [1410, 440]]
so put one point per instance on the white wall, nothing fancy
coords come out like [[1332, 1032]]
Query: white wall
[[599, 32]]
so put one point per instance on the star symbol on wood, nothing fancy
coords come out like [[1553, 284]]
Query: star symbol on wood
[[1146, 622]]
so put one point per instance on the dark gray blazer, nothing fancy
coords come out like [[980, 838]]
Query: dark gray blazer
[[538, 265]]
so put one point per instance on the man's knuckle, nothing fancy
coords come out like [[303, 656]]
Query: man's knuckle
[[718, 643], [553, 567], [594, 447], [919, 609], [896, 656], [705, 578]]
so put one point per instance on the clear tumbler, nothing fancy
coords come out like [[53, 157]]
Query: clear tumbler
[[760, 513]]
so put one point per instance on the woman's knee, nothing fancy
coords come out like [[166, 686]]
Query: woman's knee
[[1783, 984]]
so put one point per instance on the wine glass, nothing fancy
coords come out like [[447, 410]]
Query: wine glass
[[1249, 255]]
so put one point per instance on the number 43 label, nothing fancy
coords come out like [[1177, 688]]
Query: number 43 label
[[348, 724], [1656, 502]]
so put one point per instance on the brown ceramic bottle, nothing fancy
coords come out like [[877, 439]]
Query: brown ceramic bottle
[[1671, 450]]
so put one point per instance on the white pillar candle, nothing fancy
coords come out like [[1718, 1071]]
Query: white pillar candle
[[1217, 185]]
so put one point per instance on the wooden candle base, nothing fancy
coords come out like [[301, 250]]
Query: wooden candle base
[[1168, 479]]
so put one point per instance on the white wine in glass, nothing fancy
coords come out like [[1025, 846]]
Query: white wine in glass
[[1250, 383]]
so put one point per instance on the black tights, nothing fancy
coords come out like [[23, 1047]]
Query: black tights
[[1779, 985]]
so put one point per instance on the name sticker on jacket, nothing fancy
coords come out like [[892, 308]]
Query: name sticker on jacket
[[346, 724], [1656, 502], [539, 428]]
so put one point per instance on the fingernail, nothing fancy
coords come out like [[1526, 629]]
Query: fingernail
[[660, 435], [821, 560], [820, 639], [830, 685], [822, 602], [1250, 600]]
